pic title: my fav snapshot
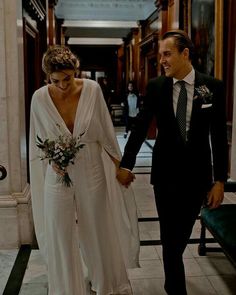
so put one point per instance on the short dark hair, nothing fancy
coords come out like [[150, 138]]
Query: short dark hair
[[182, 41]]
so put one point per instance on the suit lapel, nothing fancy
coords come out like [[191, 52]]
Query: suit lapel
[[197, 103], [168, 96], [199, 79]]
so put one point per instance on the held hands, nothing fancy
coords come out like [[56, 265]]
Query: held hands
[[124, 176], [216, 195]]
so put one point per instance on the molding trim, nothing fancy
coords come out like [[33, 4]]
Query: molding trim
[[24, 196], [8, 201]]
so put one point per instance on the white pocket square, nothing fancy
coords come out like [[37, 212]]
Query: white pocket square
[[207, 105]]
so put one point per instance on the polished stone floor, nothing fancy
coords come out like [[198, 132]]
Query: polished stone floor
[[209, 275]]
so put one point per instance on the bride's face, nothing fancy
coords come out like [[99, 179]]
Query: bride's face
[[63, 80]]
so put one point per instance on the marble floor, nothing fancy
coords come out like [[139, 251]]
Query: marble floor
[[209, 275]]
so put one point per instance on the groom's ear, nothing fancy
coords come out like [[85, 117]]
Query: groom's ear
[[186, 53]]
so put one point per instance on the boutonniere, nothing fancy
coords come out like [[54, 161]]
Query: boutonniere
[[204, 94]]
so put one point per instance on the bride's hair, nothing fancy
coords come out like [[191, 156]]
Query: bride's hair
[[58, 58]]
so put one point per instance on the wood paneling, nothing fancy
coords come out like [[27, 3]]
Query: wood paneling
[[32, 72]]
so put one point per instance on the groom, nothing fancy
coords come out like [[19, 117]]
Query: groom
[[189, 164]]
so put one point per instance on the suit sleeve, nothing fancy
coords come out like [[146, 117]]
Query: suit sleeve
[[140, 129], [219, 141]]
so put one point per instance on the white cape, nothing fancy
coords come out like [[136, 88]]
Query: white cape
[[107, 229]]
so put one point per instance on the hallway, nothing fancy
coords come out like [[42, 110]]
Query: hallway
[[211, 275]]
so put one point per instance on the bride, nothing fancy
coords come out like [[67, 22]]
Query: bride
[[89, 229]]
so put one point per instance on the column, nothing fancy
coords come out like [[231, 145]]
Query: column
[[16, 226]]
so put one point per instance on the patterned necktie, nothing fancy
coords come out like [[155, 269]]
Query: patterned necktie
[[181, 109]]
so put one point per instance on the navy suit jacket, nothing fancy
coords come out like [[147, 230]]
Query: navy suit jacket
[[200, 161]]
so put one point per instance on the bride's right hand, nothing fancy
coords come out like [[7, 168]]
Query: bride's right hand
[[125, 176], [57, 169]]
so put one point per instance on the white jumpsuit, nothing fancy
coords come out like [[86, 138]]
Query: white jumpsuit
[[106, 232]]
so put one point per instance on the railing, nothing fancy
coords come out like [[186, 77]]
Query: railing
[[3, 172]]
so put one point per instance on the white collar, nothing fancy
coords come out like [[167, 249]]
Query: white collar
[[190, 78]]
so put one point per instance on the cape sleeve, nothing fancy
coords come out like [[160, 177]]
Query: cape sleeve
[[37, 176], [107, 136], [121, 199]]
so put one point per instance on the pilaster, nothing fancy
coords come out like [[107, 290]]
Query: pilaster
[[15, 206]]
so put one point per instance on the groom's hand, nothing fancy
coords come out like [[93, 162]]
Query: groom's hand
[[216, 195], [125, 176]]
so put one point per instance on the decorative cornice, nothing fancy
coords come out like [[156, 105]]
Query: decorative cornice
[[35, 8]]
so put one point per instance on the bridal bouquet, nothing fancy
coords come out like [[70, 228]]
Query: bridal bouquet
[[62, 152]]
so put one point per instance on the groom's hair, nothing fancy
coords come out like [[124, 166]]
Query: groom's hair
[[182, 41]]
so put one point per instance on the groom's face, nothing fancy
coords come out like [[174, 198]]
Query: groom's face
[[175, 63]]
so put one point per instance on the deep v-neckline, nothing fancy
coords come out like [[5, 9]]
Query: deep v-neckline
[[77, 109]]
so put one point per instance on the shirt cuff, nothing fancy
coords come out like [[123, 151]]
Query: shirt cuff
[[126, 169]]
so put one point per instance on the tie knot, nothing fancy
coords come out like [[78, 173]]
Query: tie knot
[[181, 83]]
